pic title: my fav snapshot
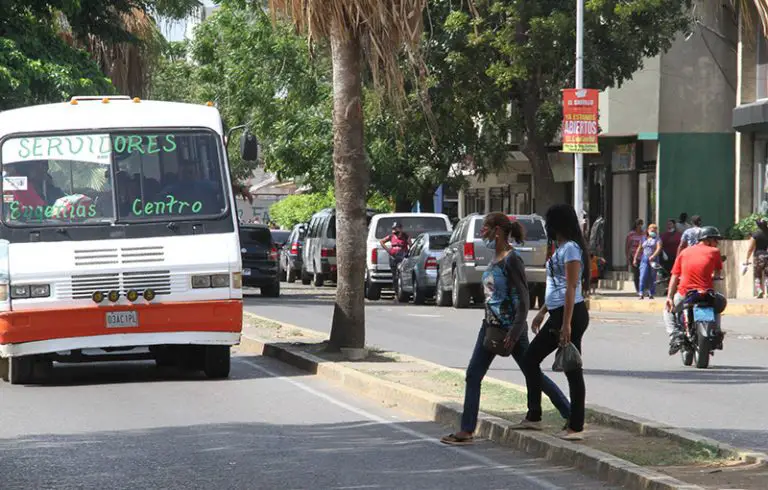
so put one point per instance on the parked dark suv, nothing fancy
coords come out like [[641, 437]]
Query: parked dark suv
[[260, 259]]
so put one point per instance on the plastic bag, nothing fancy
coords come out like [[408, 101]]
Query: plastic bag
[[567, 359]]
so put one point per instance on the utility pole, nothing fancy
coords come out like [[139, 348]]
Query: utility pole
[[578, 158]]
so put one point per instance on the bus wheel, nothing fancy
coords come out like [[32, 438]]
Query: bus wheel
[[19, 370], [217, 361]]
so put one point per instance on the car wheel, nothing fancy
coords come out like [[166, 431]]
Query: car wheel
[[272, 291], [460, 295], [290, 276], [402, 296], [419, 295], [318, 280], [374, 291], [306, 278], [442, 298], [216, 361]]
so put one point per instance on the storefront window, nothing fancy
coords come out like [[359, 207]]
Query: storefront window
[[762, 66]]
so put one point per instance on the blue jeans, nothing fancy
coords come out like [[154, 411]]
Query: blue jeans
[[478, 367], [647, 277]]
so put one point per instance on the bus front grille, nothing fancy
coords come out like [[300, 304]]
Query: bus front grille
[[84, 285]]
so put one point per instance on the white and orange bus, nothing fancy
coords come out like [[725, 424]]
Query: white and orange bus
[[118, 237]]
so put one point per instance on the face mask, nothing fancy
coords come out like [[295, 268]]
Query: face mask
[[652, 234], [490, 244]]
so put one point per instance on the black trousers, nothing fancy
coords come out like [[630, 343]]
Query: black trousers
[[545, 343]]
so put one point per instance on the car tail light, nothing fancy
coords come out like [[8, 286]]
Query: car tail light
[[469, 251], [295, 248], [431, 263], [327, 252], [375, 256], [273, 253]]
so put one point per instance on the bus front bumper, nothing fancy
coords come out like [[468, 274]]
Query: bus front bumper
[[30, 332]]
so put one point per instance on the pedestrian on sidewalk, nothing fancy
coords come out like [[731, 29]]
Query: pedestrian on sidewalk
[[646, 257], [682, 223], [634, 238], [670, 241], [567, 277], [597, 264], [506, 305], [758, 247], [691, 235]]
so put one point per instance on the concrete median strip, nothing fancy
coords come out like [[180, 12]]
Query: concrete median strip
[[379, 377]]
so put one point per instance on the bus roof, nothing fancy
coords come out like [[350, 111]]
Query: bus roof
[[119, 112]]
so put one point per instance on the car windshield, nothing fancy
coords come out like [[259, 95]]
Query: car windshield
[[534, 228], [412, 225], [260, 236], [439, 242], [149, 176]]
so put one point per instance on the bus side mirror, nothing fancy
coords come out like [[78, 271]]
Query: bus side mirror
[[249, 147]]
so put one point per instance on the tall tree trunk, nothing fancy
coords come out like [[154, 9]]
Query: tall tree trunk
[[427, 199], [403, 205], [351, 182], [546, 191]]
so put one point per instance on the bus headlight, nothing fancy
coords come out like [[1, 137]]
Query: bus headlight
[[31, 291], [132, 295], [237, 280], [199, 282], [40, 290], [220, 280]]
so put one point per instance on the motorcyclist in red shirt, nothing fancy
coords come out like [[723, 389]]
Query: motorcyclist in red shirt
[[695, 269]]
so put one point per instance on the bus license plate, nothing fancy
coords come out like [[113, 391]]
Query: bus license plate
[[246, 272], [122, 319]]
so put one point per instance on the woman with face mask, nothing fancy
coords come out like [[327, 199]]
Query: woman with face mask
[[506, 306], [646, 255]]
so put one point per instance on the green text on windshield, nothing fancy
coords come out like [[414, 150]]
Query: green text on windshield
[[92, 178]]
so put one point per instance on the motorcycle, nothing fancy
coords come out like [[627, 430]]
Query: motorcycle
[[702, 334]]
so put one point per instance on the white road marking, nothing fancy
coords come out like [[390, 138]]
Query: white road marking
[[417, 435]]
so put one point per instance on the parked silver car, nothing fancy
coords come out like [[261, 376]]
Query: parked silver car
[[417, 274], [460, 270]]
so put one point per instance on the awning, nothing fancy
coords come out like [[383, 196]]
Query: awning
[[751, 117]]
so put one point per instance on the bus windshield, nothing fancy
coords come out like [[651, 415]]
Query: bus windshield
[[115, 177]]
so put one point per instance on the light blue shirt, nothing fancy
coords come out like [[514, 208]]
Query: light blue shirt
[[556, 283]]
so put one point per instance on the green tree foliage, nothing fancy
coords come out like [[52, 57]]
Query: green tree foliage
[[39, 58], [532, 46], [259, 72], [299, 208], [174, 79]]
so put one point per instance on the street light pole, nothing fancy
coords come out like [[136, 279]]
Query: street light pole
[[578, 158]]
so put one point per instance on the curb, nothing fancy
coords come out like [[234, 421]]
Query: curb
[[603, 465], [594, 413], [633, 305]]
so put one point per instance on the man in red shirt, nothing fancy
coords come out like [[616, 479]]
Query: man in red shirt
[[695, 269]]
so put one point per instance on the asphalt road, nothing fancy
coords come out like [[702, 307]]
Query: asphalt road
[[130, 425], [627, 366]]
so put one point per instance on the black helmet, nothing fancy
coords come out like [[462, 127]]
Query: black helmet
[[710, 232], [396, 224]]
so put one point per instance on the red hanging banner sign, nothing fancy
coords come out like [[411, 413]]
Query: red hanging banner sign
[[580, 119]]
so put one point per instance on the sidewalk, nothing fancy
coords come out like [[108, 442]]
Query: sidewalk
[[624, 302], [620, 448]]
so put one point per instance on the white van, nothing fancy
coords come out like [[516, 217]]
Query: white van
[[378, 274]]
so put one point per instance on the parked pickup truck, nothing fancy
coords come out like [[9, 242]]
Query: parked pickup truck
[[378, 273]]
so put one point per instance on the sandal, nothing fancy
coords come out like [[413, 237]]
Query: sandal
[[455, 440]]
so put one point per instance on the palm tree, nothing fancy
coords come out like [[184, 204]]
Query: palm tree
[[360, 31]]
